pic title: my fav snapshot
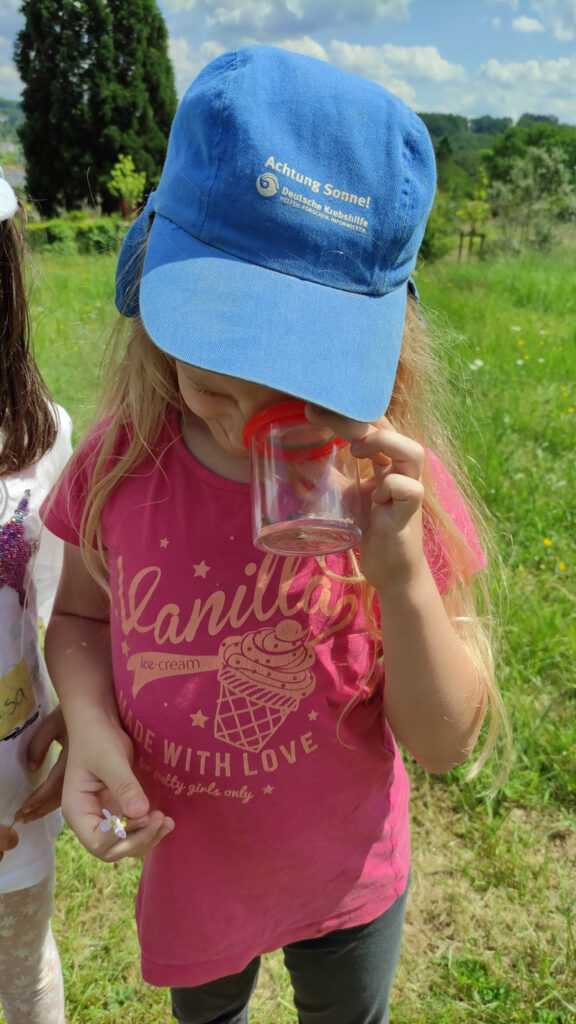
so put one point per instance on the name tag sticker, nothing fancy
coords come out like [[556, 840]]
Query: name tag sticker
[[16, 698]]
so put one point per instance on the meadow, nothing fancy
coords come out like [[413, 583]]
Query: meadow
[[490, 932]]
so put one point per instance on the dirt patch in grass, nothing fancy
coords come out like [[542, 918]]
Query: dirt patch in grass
[[490, 910], [488, 935]]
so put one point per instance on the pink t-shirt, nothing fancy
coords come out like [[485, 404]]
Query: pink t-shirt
[[233, 671]]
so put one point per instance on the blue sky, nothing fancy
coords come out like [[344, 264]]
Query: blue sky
[[468, 57]]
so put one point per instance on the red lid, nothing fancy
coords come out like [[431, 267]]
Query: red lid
[[293, 410], [289, 411]]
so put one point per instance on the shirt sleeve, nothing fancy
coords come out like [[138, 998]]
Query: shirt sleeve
[[48, 558], [61, 511]]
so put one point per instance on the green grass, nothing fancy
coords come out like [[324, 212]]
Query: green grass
[[518, 430], [72, 313], [490, 926]]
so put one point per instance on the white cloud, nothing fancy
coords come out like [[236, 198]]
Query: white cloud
[[264, 20], [538, 87], [556, 16], [496, 22], [368, 62], [345, 10], [397, 68], [382, 63], [187, 63], [559, 16], [528, 25], [552, 74], [305, 46]]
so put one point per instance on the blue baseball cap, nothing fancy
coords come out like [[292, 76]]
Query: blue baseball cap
[[284, 229]]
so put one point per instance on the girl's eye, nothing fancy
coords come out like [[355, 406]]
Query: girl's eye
[[204, 391]]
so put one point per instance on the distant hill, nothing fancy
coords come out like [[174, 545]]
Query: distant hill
[[464, 144], [465, 135], [470, 135]]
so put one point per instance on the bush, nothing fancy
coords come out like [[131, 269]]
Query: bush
[[441, 231], [76, 234], [56, 235], [97, 236]]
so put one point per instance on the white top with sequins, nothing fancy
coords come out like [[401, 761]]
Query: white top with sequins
[[30, 562]]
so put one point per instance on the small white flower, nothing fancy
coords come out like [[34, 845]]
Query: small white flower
[[520, 362], [476, 364], [112, 821], [515, 328]]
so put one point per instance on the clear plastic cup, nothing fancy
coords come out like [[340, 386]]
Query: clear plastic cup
[[305, 484]]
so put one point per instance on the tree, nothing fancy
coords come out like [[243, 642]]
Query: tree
[[487, 125], [529, 119], [517, 142], [126, 182], [529, 201], [475, 212], [97, 82]]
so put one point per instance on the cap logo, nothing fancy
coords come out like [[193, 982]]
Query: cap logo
[[267, 184]]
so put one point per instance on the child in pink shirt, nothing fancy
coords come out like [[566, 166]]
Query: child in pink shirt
[[241, 709]]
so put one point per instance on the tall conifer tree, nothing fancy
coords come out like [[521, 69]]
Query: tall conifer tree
[[97, 82]]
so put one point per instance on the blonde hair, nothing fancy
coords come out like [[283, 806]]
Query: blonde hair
[[141, 385]]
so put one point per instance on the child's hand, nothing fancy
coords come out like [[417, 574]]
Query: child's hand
[[391, 548], [98, 776], [8, 839], [47, 797]]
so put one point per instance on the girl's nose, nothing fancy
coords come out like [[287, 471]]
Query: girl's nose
[[259, 398]]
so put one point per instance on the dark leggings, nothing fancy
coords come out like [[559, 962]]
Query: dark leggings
[[343, 977]]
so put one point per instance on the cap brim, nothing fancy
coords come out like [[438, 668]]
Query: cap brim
[[334, 348], [130, 259]]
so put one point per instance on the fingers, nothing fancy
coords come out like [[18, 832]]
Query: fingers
[[8, 839], [141, 837], [84, 799], [47, 797], [84, 812], [106, 764], [390, 452], [128, 794], [51, 728], [378, 441], [350, 430], [397, 488]]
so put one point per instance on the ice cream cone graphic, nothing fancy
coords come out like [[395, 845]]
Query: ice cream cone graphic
[[263, 677]]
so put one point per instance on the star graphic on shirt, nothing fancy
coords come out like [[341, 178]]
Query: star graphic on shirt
[[125, 648], [268, 789], [201, 569], [199, 719], [312, 716], [164, 542]]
